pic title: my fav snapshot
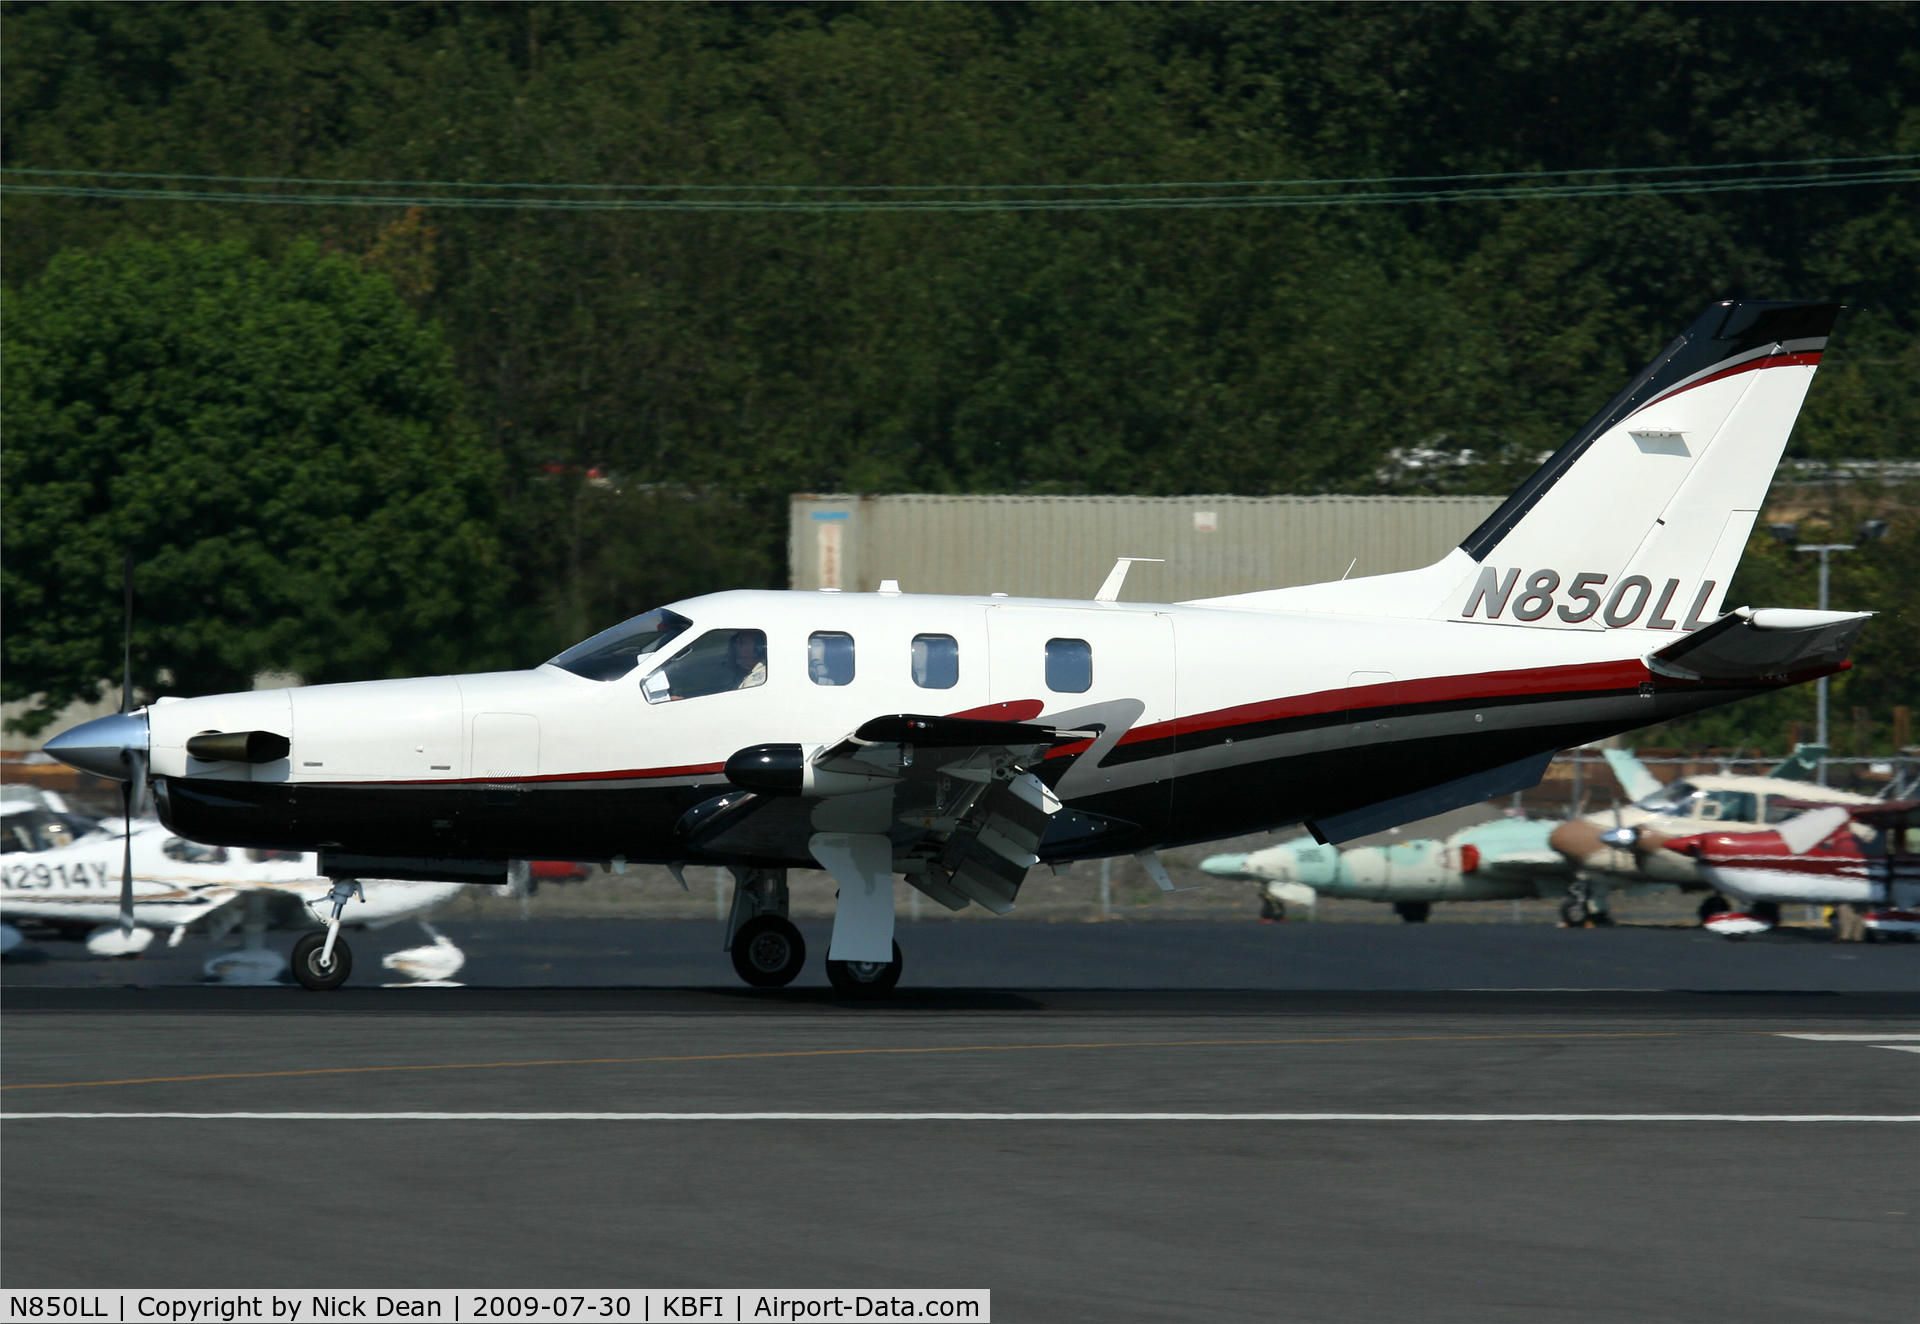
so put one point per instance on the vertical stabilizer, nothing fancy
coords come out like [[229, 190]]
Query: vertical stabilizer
[[1640, 518]]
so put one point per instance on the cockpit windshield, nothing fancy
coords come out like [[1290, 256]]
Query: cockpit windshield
[[611, 654], [1669, 799]]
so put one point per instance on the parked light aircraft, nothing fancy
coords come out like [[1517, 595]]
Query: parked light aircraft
[[959, 741], [1838, 855], [51, 879], [1631, 846], [1507, 859]]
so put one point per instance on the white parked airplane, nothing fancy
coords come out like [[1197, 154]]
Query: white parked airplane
[[52, 879], [959, 741]]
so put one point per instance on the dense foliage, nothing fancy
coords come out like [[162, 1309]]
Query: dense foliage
[[274, 442], [656, 383]]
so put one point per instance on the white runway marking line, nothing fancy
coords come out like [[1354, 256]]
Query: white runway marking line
[[1866, 1040], [951, 1117]]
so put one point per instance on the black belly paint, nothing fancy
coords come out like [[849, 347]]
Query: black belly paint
[[1272, 788]]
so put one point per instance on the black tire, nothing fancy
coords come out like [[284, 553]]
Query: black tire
[[306, 962], [1413, 912], [1574, 912], [1713, 905], [865, 979], [1768, 911], [768, 952]]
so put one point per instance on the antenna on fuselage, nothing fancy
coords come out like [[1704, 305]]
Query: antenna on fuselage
[[1110, 591]]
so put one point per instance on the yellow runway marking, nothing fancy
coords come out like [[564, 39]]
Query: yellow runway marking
[[842, 1052]]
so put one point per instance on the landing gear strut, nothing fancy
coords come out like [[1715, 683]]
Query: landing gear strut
[[767, 950], [322, 961], [1585, 906]]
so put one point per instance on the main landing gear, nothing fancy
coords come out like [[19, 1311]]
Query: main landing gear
[[1585, 906], [768, 951], [865, 979], [322, 961]]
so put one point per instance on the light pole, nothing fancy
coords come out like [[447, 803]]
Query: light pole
[[1790, 535]]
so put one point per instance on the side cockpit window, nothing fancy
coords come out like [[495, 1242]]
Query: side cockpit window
[[936, 661], [830, 657], [717, 661], [34, 830], [1730, 806], [611, 654], [1669, 800], [1069, 666]]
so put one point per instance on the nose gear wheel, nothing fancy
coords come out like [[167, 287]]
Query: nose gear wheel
[[307, 965]]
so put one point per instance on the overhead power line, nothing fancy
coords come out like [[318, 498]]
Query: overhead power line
[[1165, 196]]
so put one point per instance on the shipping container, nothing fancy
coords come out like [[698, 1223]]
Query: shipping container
[[1063, 546]]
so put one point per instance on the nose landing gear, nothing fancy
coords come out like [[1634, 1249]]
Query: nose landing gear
[[322, 961]]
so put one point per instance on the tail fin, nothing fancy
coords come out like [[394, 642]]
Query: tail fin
[[1802, 765], [1639, 520]]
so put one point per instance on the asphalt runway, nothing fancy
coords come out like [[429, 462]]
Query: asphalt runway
[[624, 953], [1348, 1215]]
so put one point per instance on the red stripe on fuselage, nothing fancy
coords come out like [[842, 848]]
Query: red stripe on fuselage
[[1543, 681]]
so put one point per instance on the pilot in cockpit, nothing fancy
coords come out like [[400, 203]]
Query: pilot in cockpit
[[748, 656]]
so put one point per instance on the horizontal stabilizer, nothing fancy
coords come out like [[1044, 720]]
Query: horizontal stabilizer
[[1456, 794], [1771, 644]]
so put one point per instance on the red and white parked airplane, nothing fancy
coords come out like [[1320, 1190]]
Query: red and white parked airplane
[[1866, 856], [960, 741]]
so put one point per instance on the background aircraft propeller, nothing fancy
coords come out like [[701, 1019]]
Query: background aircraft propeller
[[135, 787]]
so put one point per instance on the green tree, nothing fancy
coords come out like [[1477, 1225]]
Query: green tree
[[279, 445]]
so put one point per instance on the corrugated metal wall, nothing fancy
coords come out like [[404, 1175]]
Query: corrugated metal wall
[[1063, 546]]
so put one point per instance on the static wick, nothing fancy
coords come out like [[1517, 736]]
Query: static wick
[[1350, 565]]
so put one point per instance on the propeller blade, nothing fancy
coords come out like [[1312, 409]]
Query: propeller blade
[[135, 786], [126, 864], [126, 637]]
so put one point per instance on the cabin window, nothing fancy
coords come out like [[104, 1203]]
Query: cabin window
[[1728, 806], [830, 657], [717, 661], [612, 653], [34, 830], [936, 661], [1069, 666]]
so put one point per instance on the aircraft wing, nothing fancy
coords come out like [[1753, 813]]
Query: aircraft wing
[[957, 797]]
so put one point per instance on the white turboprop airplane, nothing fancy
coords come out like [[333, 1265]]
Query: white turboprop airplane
[[959, 741]]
